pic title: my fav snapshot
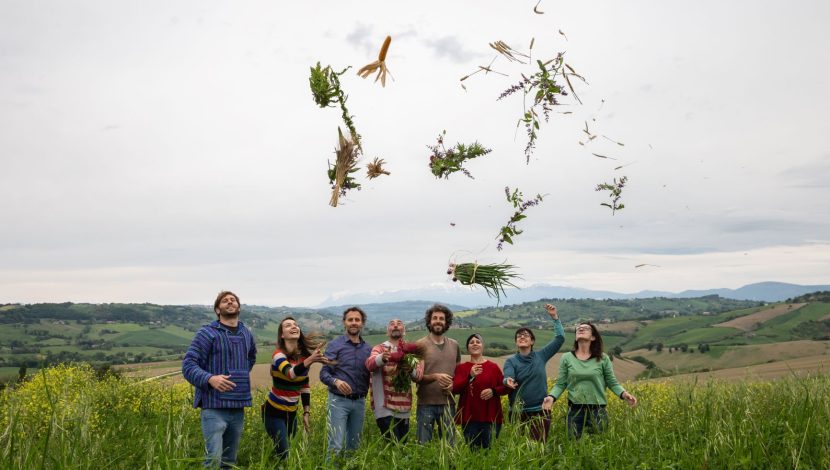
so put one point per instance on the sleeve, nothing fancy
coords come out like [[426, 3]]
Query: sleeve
[[461, 378], [195, 360], [553, 347], [457, 353], [609, 376], [500, 388], [375, 359], [509, 370], [305, 398], [562, 378], [281, 365], [252, 353], [326, 371]]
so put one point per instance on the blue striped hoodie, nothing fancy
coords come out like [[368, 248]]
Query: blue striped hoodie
[[216, 350]]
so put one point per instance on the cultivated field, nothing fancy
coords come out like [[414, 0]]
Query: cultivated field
[[751, 321]]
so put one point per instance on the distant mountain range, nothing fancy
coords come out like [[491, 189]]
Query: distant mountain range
[[473, 298]]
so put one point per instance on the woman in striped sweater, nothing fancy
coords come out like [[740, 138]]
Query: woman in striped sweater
[[290, 363]]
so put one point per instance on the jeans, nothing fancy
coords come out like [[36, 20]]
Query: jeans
[[281, 429], [222, 428], [586, 418], [345, 422], [480, 434], [427, 416], [538, 422], [393, 427]]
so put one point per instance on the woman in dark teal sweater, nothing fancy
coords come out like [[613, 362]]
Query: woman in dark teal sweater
[[524, 373], [585, 372]]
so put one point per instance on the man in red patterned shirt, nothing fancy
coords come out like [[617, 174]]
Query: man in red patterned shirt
[[391, 407]]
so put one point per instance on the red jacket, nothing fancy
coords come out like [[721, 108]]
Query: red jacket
[[470, 405]]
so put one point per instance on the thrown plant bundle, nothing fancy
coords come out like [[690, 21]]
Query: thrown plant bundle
[[444, 162], [492, 277], [327, 93], [543, 87], [615, 193], [375, 169], [344, 166], [413, 353], [508, 231], [378, 65]]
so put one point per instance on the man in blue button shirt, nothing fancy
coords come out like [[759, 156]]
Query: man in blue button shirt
[[348, 381]]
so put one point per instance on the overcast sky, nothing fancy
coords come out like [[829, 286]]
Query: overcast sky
[[162, 151]]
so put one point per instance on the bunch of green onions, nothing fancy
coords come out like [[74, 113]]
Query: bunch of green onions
[[492, 277]]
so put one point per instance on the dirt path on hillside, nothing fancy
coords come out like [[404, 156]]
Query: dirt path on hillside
[[751, 321], [769, 371]]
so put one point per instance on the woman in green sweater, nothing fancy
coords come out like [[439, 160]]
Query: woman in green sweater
[[585, 373]]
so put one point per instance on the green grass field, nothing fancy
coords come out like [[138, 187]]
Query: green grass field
[[65, 418]]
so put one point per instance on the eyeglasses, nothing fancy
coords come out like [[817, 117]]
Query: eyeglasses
[[584, 328], [522, 335]]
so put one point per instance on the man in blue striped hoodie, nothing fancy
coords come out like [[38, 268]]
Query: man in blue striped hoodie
[[218, 364]]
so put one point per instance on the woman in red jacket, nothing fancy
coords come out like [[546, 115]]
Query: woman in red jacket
[[479, 386]]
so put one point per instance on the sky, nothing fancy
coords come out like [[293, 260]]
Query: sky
[[164, 151]]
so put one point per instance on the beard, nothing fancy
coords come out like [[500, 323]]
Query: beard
[[396, 334], [437, 329]]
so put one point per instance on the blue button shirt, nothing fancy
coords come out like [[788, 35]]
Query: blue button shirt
[[351, 365]]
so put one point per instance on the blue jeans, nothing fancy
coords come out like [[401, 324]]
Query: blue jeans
[[480, 434], [222, 428], [427, 416], [281, 429], [586, 418], [345, 422]]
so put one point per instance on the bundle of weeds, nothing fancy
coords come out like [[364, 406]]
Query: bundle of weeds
[[327, 93], [375, 169], [492, 277], [402, 380], [509, 230], [443, 162], [344, 166], [614, 192]]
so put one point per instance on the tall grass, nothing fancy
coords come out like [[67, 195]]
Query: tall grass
[[66, 418]]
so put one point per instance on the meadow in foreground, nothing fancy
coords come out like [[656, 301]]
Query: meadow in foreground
[[65, 417]]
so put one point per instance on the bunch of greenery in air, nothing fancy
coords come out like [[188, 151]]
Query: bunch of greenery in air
[[327, 93], [614, 192], [492, 277], [509, 230], [443, 162]]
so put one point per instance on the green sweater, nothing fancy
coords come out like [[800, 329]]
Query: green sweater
[[586, 380]]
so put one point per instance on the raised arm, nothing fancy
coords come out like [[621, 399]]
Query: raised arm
[[559, 334], [279, 363]]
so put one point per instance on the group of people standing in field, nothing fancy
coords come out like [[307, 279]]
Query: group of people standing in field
[[222, 354]]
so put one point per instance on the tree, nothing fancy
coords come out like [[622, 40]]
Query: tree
[[21, 373]]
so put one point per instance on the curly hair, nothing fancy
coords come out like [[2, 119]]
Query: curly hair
[[439, 308]]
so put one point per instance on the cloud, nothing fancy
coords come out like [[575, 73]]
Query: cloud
[[361, 37], [450, 47], [815, 174]]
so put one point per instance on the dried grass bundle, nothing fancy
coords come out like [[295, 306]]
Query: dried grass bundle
[[375, 169], [379, 65], [344, 166]]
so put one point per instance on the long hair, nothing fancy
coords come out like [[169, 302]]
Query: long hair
[[596, 344], [306, 344]]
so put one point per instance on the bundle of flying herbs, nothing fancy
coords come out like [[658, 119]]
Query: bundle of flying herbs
[[443, 162], [340, 174], [508, 231], [614, 192], [492, 277], [544, 89], [327, 93]]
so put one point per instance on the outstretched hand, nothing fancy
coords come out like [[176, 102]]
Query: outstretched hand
[[551, 309], [511, 383], [630, 399]]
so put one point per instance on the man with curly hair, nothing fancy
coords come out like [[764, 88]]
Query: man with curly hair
[[436, 405]]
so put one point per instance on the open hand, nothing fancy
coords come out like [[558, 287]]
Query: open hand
[[487, 394], [221, 383], [343, 387], [511, 383], [547, 403], [630, 399], [552, 311]]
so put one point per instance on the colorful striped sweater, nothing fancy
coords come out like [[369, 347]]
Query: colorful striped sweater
[[289, 379], [216, 350], [385, 395]]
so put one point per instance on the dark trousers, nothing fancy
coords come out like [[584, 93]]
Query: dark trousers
[[538, 422], [480, 434], [391, 427], [280, 429], [586, 418]]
